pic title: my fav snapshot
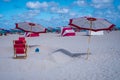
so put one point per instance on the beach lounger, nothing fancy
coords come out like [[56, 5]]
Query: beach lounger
[[20, 49]]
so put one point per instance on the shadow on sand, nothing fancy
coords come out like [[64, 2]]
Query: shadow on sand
[[66, 52]]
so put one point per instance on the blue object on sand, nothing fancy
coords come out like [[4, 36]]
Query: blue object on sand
[[37, 50]]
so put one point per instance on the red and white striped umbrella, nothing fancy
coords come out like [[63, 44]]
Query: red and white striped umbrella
[[30, 27], [90, 23]]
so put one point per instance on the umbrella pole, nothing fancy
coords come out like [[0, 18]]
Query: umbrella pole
[[88, 50], [30, 30], [89, 38]]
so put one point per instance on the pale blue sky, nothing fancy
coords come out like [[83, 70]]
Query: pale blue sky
[[56, 13]]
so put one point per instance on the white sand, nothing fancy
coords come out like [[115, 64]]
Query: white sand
[[62, 58]]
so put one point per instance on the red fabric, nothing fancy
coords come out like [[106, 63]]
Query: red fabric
[[16, 25], [21, 38], [33, 35], [69, 34], [20, 51], [91, 19], [19, 41], [19, 45], [66, 28], [31, 24]]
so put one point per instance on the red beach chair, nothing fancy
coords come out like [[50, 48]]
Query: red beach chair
[[20, 48]]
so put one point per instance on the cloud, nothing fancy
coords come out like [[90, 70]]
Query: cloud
[[119, 7], [102, 3], [6, 0], [72, 13], [47, 6], [29, 14], [1, 15], [53, 4], [109, 14], [63, 10], [36, 5], [80, 2], [59, 10], [32, 13]]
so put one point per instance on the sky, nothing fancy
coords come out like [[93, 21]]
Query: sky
[[56, 13]]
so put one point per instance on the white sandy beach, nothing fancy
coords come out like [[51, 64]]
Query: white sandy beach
[[62, 58]]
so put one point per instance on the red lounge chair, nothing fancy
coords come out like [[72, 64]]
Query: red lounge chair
[[20, 47]]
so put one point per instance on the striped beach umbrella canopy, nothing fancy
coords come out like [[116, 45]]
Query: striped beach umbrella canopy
[[30, 27], [91, 23]]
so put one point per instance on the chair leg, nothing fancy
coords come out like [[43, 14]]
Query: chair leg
[[15, 53], [26, 55], [26, 51], [15, 56]]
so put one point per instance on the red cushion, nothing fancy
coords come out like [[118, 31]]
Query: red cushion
[[19, 41], [19, 45], [21, 38], [20, 50]]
